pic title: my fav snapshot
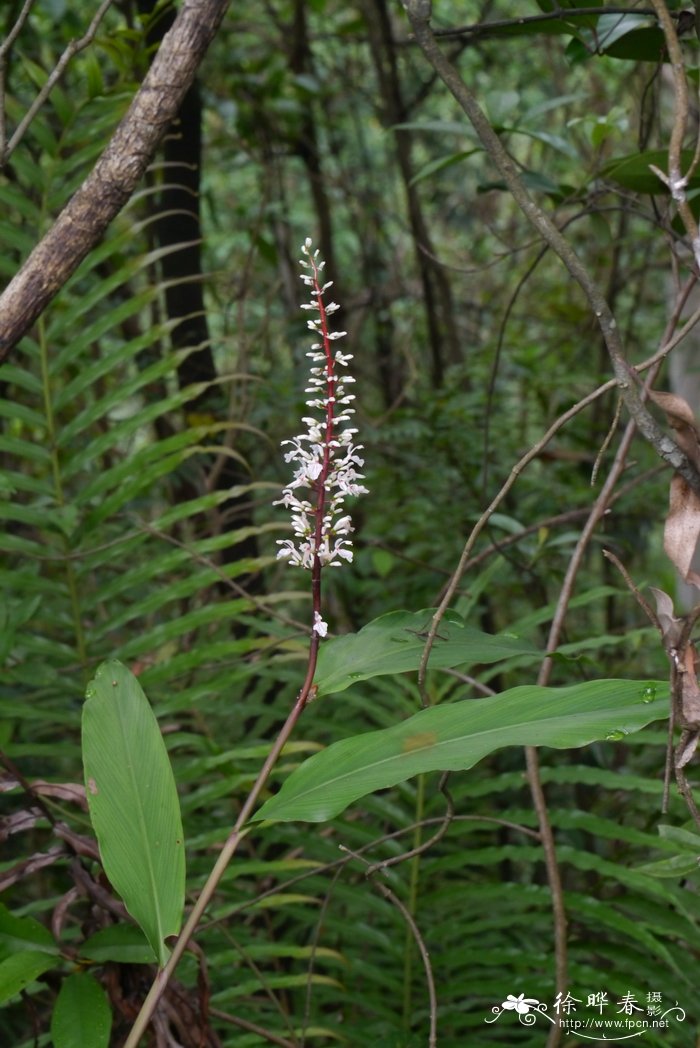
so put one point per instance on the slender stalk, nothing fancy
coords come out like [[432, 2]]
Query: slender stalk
[[412, 904], [226, 854]]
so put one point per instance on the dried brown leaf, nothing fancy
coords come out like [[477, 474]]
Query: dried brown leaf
[[19, 822], [81, 845], [671, 627], [73, 792], [686, 749], [690, 693], [682, 528], [28, 866]]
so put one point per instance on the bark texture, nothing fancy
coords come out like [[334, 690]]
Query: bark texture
[[116, 174]]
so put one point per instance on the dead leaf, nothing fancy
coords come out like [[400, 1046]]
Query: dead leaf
[[28, 866], [19, 822], [671, 627], [686, 749], [682, 528], [690, 692]]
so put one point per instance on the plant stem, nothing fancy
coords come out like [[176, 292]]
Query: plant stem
[[412, 904], [227, 852]]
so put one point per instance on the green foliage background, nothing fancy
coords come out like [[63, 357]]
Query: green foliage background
[[120, 542]]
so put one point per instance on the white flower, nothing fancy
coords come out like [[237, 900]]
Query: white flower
[[320, 626], [324, 455]]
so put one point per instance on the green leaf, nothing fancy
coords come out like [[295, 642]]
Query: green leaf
[[632, 172], [133, 803], [81, 1017], [455, 737], [675, 867], [441, 162], [21, 969], [394, 643], [120, 942], [18, 933]]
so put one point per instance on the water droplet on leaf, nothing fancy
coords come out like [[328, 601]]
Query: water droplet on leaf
[[616, 734], [648, 693]]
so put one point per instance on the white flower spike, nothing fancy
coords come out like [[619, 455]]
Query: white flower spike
[[326, 460]]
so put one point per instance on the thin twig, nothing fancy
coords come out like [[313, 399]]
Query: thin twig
[[643, 604], [482, 30], [73, 48], [245, 1024], [689, 621], [612, 430], [676, 181], [4, 51], [329, 867], [666, 792], [442, 829], [241, 591], [226, 854], [384, 890], [318, 926], [687, 795]]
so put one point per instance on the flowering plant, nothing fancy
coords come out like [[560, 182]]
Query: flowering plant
[[325, 456], [326, 468]]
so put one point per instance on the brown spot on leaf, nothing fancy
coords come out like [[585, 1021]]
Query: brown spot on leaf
[[420, 741], [92, 786]]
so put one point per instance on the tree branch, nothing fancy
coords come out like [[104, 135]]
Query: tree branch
[[73, 48], [116, 174]]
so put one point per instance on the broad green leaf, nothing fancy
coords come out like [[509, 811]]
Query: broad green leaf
[[614, 27], [133, 803], [19, 934], [119, 942], [81, 1017], [535, 181], [549, 139], [440, 127], [675, 867], [441, 162], [685, 839], [20, 969], [394, 643], [633, 171], [456, 736]]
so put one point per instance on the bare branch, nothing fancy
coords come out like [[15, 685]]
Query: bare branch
[[74, 47], [643, 604], [116, 174], [5, 48]]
